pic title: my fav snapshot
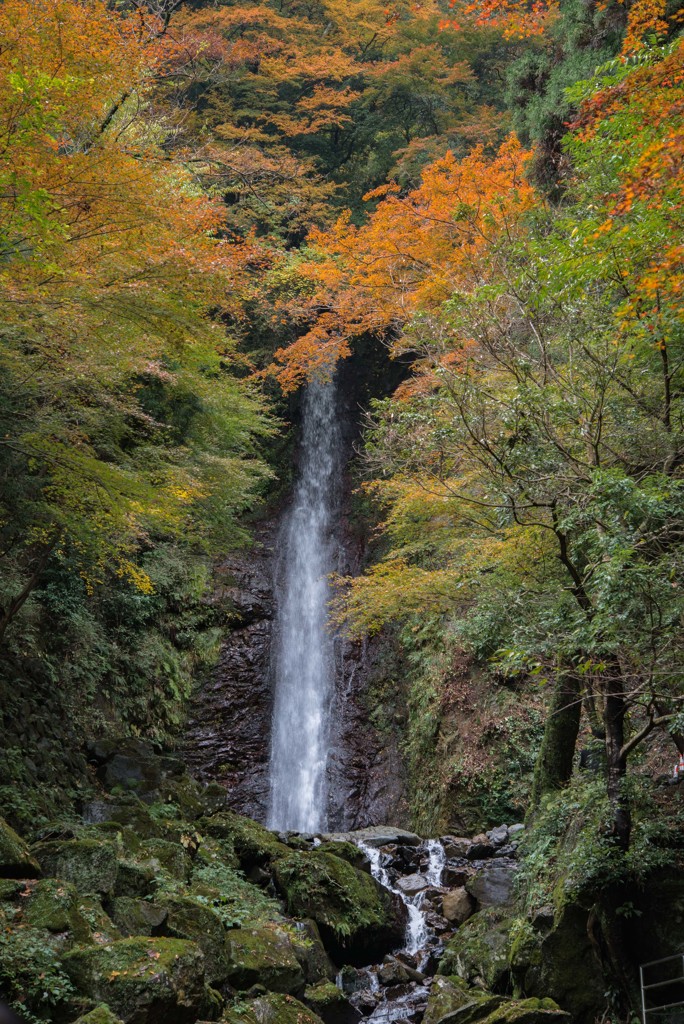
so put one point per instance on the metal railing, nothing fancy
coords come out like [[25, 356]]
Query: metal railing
[[662, 990]]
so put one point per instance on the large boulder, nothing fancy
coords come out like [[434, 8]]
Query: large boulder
[[457, 905], [492, 885], [270, 1009], [100, 1015], [185, 918], [310, 951], [478, 952], [452, 1002], [254, 844], [143, 981], [91, 865], [15, 858], [556, 958], [331, 1004], [358, 920], [375, 835], [264, 955], [57, 907]]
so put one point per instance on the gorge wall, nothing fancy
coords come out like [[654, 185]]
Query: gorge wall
[[229, 731]]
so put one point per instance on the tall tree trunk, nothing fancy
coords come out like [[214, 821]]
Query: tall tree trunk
[[555, 761], [615, 709]]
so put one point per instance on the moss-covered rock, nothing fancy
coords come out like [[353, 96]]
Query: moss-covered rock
[[136, 917], [452, 1002], [90, 865], [185, 918], [358, 920], [254, 845], [143, 981], [100, 1015], [527, 1011], [560, 962], [129, 812], [330, 1004], [347, 851], [136, 878], [167, 858], [270, 1009], [451, 999], [310, 952], [55, 906], [15, 858], [479, 951], [264, 955]]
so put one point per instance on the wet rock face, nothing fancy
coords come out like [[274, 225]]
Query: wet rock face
[[228, 734], [229, 728]]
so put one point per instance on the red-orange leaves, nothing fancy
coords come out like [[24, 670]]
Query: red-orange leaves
[[411, 255]]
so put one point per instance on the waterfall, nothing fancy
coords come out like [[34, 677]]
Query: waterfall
[[303, 662]]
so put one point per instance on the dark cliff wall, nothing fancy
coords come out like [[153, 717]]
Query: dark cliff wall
[[229, 724]]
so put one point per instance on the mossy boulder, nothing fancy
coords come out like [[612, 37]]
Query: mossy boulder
[[479, 951], [167, 858], [452, 1002], [528, 1011], [129, 812], [15, 858], [561, 963], [347, 851], [254, 845], [271, 1009], [100, 1015], [264, 955], [310, 952], [330, 1004], [136, 917], [358, 920], [143, 981], [136, 878], [53, 905], [56, 910], [89, 864], [185, 918]]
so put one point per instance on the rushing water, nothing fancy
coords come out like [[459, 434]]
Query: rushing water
[[303, 646], [417, 932]]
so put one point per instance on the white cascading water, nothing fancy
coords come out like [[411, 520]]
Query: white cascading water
[[303, 660], [416, 928]]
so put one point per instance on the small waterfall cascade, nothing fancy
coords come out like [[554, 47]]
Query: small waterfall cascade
[[417, 931], [302, 654]]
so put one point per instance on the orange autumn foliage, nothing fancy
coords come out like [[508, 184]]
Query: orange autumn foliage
[[91, 211], [414, 252]]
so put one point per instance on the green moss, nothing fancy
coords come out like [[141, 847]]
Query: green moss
[[186, 918], [216, 883], [347, 851], [166, 858], [479, 951], [89, 864], [15, 858], [270, 1009], [100, 1015], [357, 920], [264, 955], [254, 845], [142, 979]]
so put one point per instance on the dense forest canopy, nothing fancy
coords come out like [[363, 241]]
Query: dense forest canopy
[[206, 203]]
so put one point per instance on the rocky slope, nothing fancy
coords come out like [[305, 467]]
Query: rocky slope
[[161, 904]]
